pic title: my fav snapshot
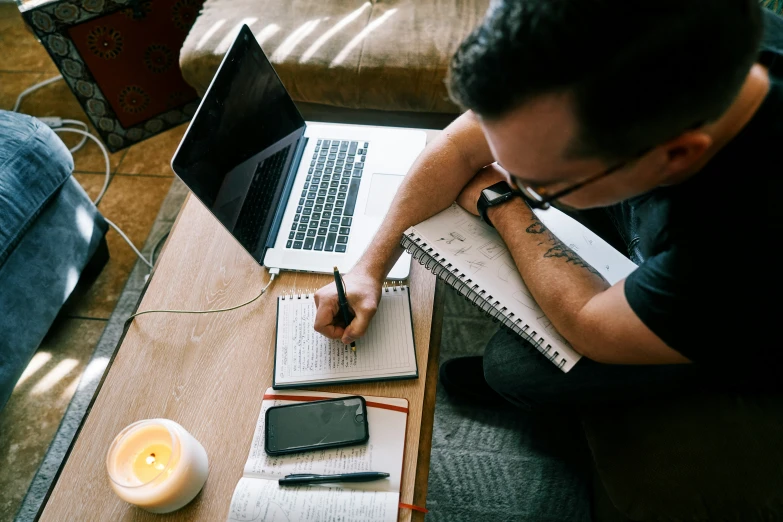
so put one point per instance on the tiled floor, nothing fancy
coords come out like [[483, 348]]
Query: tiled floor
[[141, 177]]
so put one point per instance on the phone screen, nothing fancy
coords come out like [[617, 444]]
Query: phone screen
[[316, 425]]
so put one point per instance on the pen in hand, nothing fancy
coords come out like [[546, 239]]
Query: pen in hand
[[311, 478], [342, 301]]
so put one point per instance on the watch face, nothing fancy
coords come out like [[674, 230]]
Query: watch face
[[496, 191]]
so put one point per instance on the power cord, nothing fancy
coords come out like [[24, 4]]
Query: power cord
[[273, 271], [34, 88], [58, 125]]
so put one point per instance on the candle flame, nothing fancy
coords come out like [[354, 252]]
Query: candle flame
[[151, 460]]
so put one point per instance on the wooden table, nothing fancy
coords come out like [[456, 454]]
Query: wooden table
[[209, 373]]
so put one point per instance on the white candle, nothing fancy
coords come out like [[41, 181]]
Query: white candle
[[157, 465]]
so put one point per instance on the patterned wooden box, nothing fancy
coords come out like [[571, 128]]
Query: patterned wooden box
[[120, 59]]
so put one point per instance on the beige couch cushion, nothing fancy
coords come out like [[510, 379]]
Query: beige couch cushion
[[390, 55]]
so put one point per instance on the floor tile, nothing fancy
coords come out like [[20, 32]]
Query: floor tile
[[33, 413], [153, 156], [56, 99], [132, 202], [28, 53], [91, 182], [12, 84]]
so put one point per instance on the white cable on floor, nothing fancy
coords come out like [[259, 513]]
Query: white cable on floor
[[121, 233], [34, 88], [84, 127], [105, 157], [105, 184], [56, 124]]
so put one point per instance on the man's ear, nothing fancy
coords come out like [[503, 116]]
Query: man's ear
[[684, 152]]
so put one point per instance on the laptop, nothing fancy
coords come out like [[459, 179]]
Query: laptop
[[297, 196]]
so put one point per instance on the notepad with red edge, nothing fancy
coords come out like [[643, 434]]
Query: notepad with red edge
[[259, 497]]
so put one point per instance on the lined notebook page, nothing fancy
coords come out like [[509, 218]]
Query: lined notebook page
[[303, 356], [476, 250]]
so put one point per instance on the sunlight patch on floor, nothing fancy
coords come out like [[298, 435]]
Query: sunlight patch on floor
[[35, 364]]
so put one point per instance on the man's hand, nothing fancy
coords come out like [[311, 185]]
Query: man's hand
[[486, 177], [363, 293]]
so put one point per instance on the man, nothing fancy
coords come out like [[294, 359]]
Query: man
[[667, 117]]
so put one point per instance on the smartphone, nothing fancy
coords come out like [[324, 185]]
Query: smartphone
[[316, 425]]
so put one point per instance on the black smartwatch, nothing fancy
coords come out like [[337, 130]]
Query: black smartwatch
[[493, 196]]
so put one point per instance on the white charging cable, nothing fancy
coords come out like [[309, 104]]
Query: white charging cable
[[34, 88], [86, 135], [58, 125]]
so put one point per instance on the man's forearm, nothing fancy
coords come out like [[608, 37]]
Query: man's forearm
[[433, 183], [561, 282]]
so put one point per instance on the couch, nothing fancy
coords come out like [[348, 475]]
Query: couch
[[348, 61], [51, 235]]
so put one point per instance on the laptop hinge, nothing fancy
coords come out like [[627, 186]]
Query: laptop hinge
[[293, 168]]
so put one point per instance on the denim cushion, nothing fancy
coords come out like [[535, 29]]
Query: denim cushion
[[49, 230], [34, 164]]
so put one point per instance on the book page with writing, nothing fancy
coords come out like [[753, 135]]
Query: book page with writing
[[303, 356], [266, 501], [475, 249], [383, 452]]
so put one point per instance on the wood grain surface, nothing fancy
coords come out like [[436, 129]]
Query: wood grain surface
[[209, 373]]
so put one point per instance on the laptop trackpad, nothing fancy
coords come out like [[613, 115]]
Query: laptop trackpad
[[383, 187]]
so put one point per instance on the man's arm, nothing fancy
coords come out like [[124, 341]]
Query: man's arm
[[592, 315], [433, 183]]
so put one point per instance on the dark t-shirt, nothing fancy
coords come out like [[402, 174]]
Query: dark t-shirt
[[710, 284]]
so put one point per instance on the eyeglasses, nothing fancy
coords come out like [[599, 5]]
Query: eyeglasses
[[537, 197]]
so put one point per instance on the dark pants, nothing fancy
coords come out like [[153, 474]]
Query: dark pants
[[517, 371]]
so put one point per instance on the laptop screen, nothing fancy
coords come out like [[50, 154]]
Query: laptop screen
[[238, 149]]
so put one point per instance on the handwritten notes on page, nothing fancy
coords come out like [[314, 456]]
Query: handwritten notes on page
[[266, 501], [259, 498], [304, 356]]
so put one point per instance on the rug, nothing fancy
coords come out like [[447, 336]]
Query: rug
[[492, 462]]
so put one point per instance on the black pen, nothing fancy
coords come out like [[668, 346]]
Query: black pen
[[343, 301], [310, 478]]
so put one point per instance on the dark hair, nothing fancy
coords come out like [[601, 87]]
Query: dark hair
[[639, 72]]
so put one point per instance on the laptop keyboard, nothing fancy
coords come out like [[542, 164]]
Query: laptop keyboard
[[258, 201], [325, 211]]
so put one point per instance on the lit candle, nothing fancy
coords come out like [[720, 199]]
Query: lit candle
[[157, 465]]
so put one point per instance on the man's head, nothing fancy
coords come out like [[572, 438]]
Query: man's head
[[567, 89]]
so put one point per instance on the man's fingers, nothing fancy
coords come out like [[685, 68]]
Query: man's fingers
[[324, 320], [357, 328], [332, 331]]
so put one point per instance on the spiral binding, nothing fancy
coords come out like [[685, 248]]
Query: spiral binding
[[298, 294], [388, 286], [438, 265]]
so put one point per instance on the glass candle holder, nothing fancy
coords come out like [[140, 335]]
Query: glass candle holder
[[156, 465]]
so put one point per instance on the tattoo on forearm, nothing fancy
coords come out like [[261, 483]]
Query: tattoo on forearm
[[557, 248]]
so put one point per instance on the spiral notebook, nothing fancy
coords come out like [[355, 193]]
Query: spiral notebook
[[471, 256], [304, 357]]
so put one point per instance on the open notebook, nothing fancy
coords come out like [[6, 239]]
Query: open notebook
[[304, 357], [471, 256], [258, 496]]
